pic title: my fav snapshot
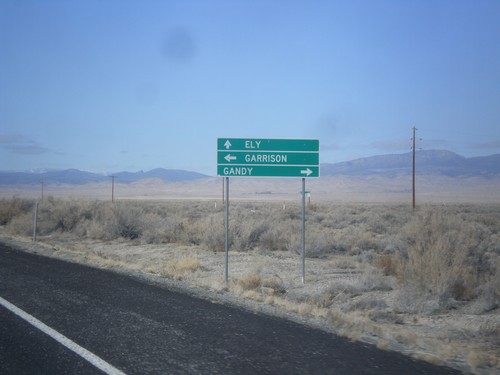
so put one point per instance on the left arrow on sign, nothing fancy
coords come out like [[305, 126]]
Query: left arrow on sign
[[229, 157]]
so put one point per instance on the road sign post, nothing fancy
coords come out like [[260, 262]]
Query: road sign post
[[254, 157], [226, 235], [303, 242]]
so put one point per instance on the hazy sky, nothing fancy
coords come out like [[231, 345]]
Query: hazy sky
[[106, 86]]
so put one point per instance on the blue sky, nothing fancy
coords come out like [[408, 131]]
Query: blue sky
[[106, 86]]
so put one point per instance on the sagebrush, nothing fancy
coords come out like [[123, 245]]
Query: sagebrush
[[438, 254]]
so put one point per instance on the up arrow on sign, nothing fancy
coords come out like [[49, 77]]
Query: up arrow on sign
[[227, 145]]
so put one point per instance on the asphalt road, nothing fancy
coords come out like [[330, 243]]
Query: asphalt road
[[145, 329]]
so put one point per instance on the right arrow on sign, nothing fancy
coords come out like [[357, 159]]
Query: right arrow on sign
[[307, 171]]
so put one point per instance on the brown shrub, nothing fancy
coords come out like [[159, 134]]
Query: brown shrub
[[389, 264], [445, 255], [11, 208], [250, 281]]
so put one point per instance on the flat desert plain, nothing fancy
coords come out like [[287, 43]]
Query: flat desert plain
[[369, 189], [423, 282]]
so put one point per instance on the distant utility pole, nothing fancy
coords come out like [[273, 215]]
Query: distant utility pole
[[41, 182], [413, 168], [112, 189]]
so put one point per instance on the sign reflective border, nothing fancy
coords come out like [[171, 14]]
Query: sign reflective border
[[252, 157]]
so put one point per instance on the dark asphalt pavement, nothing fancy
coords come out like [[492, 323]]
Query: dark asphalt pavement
[[146, 329]]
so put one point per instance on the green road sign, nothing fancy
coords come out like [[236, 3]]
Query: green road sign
[[267, 171], [252, 144], [251, 157], [267, 158]]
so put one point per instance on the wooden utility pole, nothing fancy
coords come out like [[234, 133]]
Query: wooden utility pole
[[413, 168], [112, 189]]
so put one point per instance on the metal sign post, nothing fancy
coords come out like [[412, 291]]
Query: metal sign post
[[303, 251], [226, 241]]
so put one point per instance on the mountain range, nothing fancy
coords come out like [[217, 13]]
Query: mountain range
[[433, 162], [77, 177], [428, 162]]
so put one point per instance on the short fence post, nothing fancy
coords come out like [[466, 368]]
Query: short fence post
[[35, 221]]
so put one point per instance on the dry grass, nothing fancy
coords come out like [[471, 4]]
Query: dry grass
[[477, 360], [250, 281], [373, 271], [180, 266]]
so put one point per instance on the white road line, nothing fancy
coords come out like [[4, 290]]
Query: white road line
[[63, 340]]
